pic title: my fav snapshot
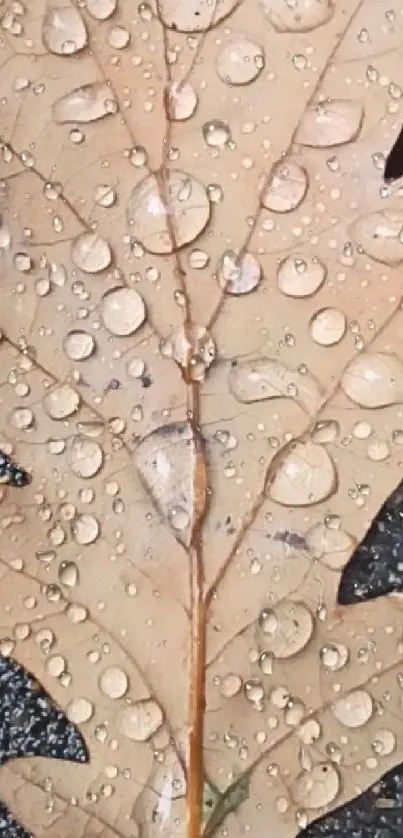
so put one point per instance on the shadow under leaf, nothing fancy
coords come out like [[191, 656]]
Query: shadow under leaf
[[31, 725], [376, 566]]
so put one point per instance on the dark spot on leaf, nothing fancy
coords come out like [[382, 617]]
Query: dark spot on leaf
[[376, 566]]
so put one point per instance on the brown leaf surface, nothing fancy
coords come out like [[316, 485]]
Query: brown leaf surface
[[209, 399]]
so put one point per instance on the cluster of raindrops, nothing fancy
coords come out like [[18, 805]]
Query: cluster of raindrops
[[283, 277]]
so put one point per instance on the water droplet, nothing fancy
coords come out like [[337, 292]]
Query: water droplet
[[286, 188], [77, 613], [62, 401], [330, 123], [118, 37], [55, 666], [230, 685], [141, 720], [79, 710], [326, 431], [166, 459], [334, 656], [287, 628], [379, 235], [198, 259], [85, 104], [297, 15], [317, 788], [378, 450], [101, 9], [333, 547], [7, 646], [194, 16], [105, 195], [328, 326], [310, 731], [294, 713], [305, 476], [374, 380], [238, 274], [22, 418], [91, 253], [68, 574], [189, 210], [354, 710], [178, 518], [63, 30], [300, 276], [182, 101], [114, 682], [216, 133], [123, 311], [85, 529], [264, 378], [85, 457], [254, 692], [240, 61], [78, 345], [384, 742], [136, 367]]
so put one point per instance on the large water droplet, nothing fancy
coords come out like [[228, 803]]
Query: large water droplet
[[216, 133], [187, 205], [85, 529], [182, 101], [101, 9], [297, 15], [286, 188], [305, 476], [123, 311], [240, 60], [91, 253], [328, 326], [379, 234], [300, 276], [63, 31], [61, 401], [171, 464], [85, 457], [85, 104], [355, 709], [316, 788], [384, 742], [374, 380], [79, 710], [194, 16], [140, 720], [68, 574], [230, 685], [330, 124], [264, 378], [113, 682], [238, 274], [287, 628], [334, 656], [78, 345]]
